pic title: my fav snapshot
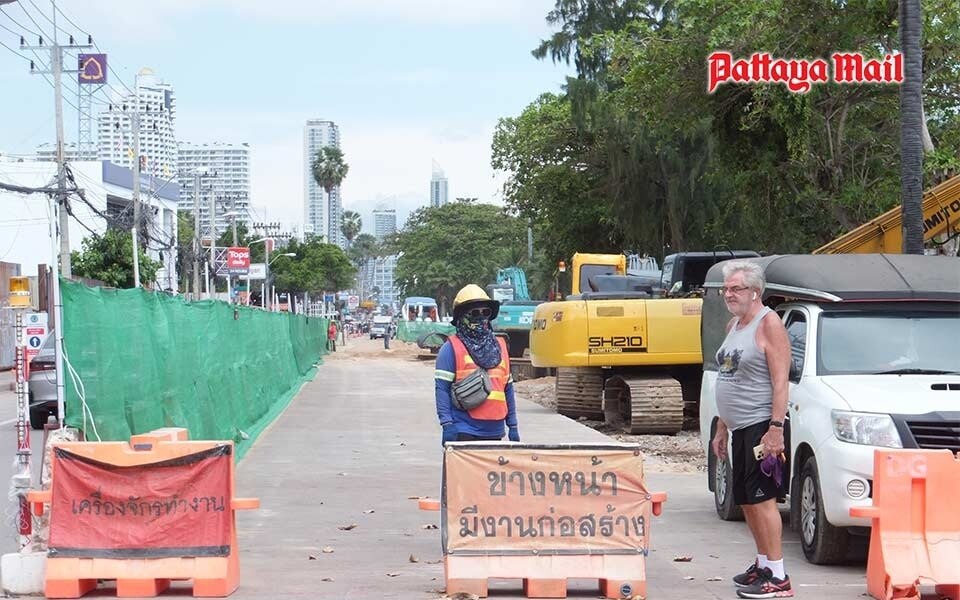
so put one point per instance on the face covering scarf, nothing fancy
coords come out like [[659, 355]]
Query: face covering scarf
[[477, 336]]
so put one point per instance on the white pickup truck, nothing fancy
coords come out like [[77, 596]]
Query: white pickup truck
[[875, 364]]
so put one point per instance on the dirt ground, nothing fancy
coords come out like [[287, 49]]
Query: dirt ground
[[679, 453]]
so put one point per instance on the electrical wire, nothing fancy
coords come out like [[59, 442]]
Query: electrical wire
[[17, 23], [32, 20], [44, 15], [81, 30]]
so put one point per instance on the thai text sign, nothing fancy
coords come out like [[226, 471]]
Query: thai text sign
[[575, 499], [177, 507], [238, 261]]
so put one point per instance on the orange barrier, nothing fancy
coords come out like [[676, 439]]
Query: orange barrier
[[915, 538], [156, 509], [544, 514]]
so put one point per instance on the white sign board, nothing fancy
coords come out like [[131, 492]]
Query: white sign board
[[35, 332], [353, 302], [257, 271]]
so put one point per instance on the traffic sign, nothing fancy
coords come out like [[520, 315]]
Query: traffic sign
[[34, 333]]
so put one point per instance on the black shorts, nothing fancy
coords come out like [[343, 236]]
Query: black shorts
[[750, 485]]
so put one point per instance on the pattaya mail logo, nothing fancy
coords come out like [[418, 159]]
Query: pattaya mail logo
[[799, 75]]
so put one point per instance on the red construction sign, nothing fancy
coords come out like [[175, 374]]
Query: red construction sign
[[238, 261], [177, 507]]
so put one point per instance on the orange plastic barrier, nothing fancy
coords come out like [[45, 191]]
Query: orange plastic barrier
[[156, 509], [544, 514], [915, 538]]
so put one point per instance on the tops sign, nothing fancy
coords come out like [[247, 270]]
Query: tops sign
[[238, 261]]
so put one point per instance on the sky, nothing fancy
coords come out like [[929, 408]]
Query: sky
[[407, 81]]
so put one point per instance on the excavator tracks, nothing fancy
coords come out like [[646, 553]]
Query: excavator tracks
[[579, 392], [644, 404]]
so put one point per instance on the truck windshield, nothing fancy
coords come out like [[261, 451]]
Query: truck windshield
[[888, 342]]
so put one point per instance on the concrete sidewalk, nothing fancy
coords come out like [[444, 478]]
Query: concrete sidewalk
[[362, 438]]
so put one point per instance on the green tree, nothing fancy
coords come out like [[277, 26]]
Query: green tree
[[442, 249], [351, 225], [328, 168], [109, 258], [316, 268]]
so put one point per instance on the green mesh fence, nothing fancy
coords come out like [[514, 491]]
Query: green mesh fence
[[410, 331], [148, 360]]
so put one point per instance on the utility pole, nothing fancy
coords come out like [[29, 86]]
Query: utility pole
[[196, 234], [135, 125], [57, 70]]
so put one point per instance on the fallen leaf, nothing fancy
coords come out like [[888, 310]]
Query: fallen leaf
[[714, 578], [327, 579], [429, 526], [327, 550], [689, 578], [408, 497], [401, 443], [414, 559], [340, 474], [311, 557], [369, 511], [714, 556], [347, 527], [462, 596], [433, 562], [682, 558], [393, 574]]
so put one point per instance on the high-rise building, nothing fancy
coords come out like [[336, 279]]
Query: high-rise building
[[158, 115], [47, 152], [226, 181], [378, 279], [322, 212], [384, 222], [438, 187]]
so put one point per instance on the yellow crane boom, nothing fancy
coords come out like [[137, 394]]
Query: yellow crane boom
[[884, 234]]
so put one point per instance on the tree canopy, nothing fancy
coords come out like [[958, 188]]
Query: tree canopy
[[328, 168], [636, 155], [109, 258], [442, 249], [316, 268]]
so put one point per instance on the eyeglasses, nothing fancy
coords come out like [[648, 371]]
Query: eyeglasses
[[732, 289], [477, 313]]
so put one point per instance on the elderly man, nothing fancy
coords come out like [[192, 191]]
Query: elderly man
[[754, 365]]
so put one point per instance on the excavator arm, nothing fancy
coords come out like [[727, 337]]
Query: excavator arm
[[884, 234]]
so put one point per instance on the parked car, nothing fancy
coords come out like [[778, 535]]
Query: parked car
[[43, 383]]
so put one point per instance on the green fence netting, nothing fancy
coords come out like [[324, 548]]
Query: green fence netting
[[148, 360], [410, 331]]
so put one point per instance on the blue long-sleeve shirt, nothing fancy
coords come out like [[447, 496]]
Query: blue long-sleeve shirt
[[446, 368]]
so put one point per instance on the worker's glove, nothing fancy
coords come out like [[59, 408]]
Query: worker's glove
[[449, 433], [513, 434]]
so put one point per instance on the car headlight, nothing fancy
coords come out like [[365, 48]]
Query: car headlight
[[870, 429]]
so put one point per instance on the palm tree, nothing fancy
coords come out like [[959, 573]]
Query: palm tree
[[328, 168], [351, 225], [911, 127]]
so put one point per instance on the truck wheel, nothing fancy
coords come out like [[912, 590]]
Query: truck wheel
[[822, 543], [722, 476]]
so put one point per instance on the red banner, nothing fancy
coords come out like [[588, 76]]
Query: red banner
[[178, 507]]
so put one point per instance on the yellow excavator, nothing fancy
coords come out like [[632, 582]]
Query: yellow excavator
[[941, 216], [626, 345]]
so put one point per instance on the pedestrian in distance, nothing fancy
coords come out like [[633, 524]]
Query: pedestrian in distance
[[754, 366], [332, 336], [474, 389]]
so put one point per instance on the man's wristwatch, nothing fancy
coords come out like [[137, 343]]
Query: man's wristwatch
[[776, 424]]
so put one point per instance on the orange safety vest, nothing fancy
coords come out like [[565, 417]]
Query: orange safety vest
[[495, 408]]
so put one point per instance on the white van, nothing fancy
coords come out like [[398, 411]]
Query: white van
[[875, 364], [380, 326]]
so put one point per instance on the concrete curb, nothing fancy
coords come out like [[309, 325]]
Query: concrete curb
[[23, 574]]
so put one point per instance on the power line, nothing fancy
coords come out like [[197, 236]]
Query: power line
[[14, 51], [32, 20], [87, 33], [44, 15]]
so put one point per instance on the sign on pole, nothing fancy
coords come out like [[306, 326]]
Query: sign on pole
[[353, 302], [256, 271], [92, 68], [238, 261], [34, 333]]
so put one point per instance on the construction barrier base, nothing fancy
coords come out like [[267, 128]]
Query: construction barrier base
[[619, 576]]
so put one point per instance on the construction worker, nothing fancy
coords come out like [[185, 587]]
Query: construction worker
[[475, 347]]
